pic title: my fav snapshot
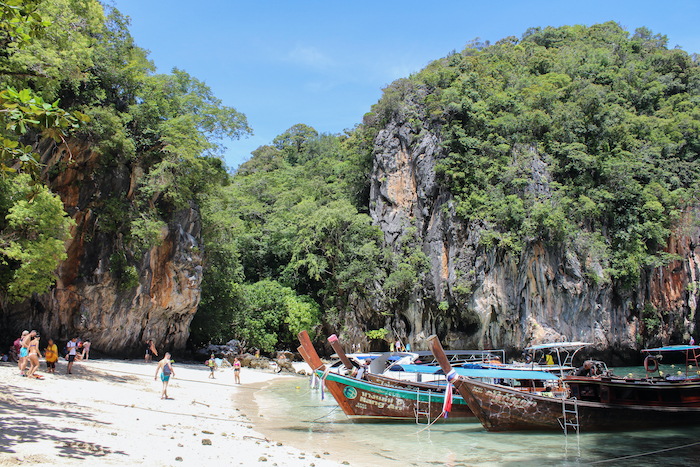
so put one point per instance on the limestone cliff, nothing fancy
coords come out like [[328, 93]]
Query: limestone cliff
[[473, 296], [88, 300]]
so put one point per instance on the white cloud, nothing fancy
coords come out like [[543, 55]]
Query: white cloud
[[309, 56]]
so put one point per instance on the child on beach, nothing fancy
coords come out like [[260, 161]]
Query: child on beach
[[22, 352], [212, 366], [166, 369], [51, 355]]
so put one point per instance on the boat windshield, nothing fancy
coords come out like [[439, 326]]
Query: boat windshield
[[556, 356], [692, 353]]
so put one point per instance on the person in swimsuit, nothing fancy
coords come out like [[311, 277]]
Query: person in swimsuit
[[166, 369], [237, 370], [34, 354], [51, 354], [72, 347], [25, 351], [22, 352]]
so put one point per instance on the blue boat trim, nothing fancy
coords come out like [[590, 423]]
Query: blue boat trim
[[673, 348], [481, 372]]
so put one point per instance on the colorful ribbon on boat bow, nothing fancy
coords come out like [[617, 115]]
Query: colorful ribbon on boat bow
[[447, 404], [323, 380], [451, 376]]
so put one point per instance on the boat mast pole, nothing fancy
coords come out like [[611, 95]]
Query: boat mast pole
[[335, 343], [456, 380], [313, 359]]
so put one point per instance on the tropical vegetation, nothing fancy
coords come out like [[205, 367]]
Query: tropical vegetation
[[583, 138]]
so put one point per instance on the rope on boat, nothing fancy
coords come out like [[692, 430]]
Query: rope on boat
[[319, 418], [428, 425], [631, 456]]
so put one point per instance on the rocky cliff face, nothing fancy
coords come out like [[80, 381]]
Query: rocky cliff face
[[88, 300], [488, 298]]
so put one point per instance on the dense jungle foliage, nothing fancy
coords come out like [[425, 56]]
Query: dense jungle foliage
[[291, 242], [69, 68], [584, 136]]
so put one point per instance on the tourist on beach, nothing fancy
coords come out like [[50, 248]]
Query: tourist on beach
[[72, 349], [237, 370], [51, 355], [212, 366], [166, 369], [22, 351], [86, 349], [150, 351], [34, 354]]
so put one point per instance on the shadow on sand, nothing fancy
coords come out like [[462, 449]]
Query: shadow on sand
[[26, 417]]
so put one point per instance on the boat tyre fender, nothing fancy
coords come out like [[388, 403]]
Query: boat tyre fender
[[650, 364]]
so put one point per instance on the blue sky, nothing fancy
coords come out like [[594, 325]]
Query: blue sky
[[324, 63]]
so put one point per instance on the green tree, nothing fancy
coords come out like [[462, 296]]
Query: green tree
[[273, 313], [32, 237], [292, 142]]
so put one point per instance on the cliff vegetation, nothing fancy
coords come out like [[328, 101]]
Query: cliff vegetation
[[539, 187]]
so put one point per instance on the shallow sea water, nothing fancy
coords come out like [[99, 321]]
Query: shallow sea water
[[295, 414]]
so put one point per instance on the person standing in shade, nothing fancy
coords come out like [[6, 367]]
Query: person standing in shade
[[150, 351], [51, 355], [237, 370], [34, 355], [22, 352], [26, 340], [86, 349], [72, 347], [166, 370]]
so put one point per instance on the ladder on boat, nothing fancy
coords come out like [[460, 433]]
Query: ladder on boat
[[569, 408], [422, 408]]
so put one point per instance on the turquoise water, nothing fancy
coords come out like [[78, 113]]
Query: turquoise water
[[295, 414]]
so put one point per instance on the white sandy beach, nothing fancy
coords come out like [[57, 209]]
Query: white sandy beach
[[109, 412]]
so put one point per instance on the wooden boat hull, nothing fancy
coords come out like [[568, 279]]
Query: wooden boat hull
[[383, 398], [655, 391], [362, 399], [502, 409]]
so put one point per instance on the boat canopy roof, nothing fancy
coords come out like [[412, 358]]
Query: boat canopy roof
[[673, 348], [558, 345], [481, 372], [420, 354]]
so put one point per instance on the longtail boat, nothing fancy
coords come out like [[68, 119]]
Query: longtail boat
[[613, 404], [383, 398]]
